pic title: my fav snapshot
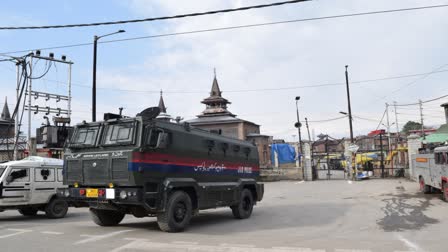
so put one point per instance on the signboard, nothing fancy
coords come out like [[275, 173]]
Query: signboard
[[353, 148]]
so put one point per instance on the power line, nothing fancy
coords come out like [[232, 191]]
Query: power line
[[234, 27], [427, 101], [248, 90], [153, 19]]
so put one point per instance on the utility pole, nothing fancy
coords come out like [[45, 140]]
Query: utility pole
[[308, 129], [350, 120], [299, 124], [396, 118], [421, 118], [382, 155], [16, 119], [388, 127]]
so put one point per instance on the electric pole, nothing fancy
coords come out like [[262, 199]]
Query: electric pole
[[388, 127], [308, 129], [350, 123], [421, 118]]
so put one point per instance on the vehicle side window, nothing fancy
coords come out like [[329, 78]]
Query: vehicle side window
[[153, 137], [60, 174], [20, 175], [44, 175]]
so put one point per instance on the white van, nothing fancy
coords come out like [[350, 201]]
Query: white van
[[29, 185]]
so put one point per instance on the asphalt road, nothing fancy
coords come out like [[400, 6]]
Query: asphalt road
[[375, 215]]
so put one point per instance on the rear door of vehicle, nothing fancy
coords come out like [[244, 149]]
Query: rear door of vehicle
[[44, 184], [19, 189]]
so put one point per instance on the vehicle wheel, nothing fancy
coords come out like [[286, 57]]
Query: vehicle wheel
[[445, 191], [244, 208], [178, 213], [424, 188], [57, 208], [28, 211], [106, 217]]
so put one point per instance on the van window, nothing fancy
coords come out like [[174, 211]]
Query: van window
[[60, 174], [44, 175], [20, 175], [2, 169]]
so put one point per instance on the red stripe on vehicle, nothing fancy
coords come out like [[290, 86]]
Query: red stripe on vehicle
[[168, 159]]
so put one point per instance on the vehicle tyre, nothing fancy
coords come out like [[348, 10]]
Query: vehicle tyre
[[57, 208], [106, 217], [445, 191], [178, 213], [424, 188], [244, 208], [28, 211]]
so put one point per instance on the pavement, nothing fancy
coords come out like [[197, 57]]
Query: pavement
[[336, 215]]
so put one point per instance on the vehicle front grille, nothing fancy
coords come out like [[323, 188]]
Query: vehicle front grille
[[120, 169], [95, 171]]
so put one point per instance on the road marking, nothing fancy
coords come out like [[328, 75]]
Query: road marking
[[350, 182], [237, 245], [407, 243], [93, 238], [17, 232], [51, 233], [287, 249], [352, 250], [300, 182], [184, 243]]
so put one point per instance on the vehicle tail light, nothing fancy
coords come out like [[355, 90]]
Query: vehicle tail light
[[101, 192], [82, 192]]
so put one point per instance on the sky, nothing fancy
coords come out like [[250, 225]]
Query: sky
[[259, 69]]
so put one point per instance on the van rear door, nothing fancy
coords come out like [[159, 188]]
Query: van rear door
[[16, 186]]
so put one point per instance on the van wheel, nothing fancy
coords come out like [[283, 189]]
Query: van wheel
[[28, 211], [178, 213], [106, 217], [424, 188], [56, 209], [445, 191], [244, 208]]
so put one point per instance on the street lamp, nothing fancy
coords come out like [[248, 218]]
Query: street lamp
[[95, 43]]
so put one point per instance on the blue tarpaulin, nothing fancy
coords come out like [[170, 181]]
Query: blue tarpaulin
[[285, 153]]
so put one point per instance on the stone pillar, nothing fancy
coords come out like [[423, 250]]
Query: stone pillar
[[414, 144], [307, 162]]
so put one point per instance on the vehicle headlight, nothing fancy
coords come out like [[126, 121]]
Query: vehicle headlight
[[67, 193], [123, 195]]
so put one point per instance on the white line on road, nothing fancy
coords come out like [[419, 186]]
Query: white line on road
[[237, 245], [350, 182], [407, 243], [184, 243], [300, 182], [51, 233], [17, 232], [93, 238]]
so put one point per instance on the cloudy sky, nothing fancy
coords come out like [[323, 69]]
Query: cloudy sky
[[260, 69]]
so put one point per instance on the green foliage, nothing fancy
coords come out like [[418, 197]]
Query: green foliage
[[411, 125]]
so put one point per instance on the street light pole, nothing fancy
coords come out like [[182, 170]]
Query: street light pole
[[95, 45]]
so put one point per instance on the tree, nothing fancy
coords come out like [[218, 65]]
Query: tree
[[411, 125]]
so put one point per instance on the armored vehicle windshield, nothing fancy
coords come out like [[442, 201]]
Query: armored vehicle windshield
[[120, 133], [85, 136]]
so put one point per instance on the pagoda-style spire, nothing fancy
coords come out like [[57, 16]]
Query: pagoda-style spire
[[5, 112], [216, 105], [162, 103]]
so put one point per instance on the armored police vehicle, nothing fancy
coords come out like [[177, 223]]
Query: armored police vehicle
[[148, 167], [29, 185], [431, 170]]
